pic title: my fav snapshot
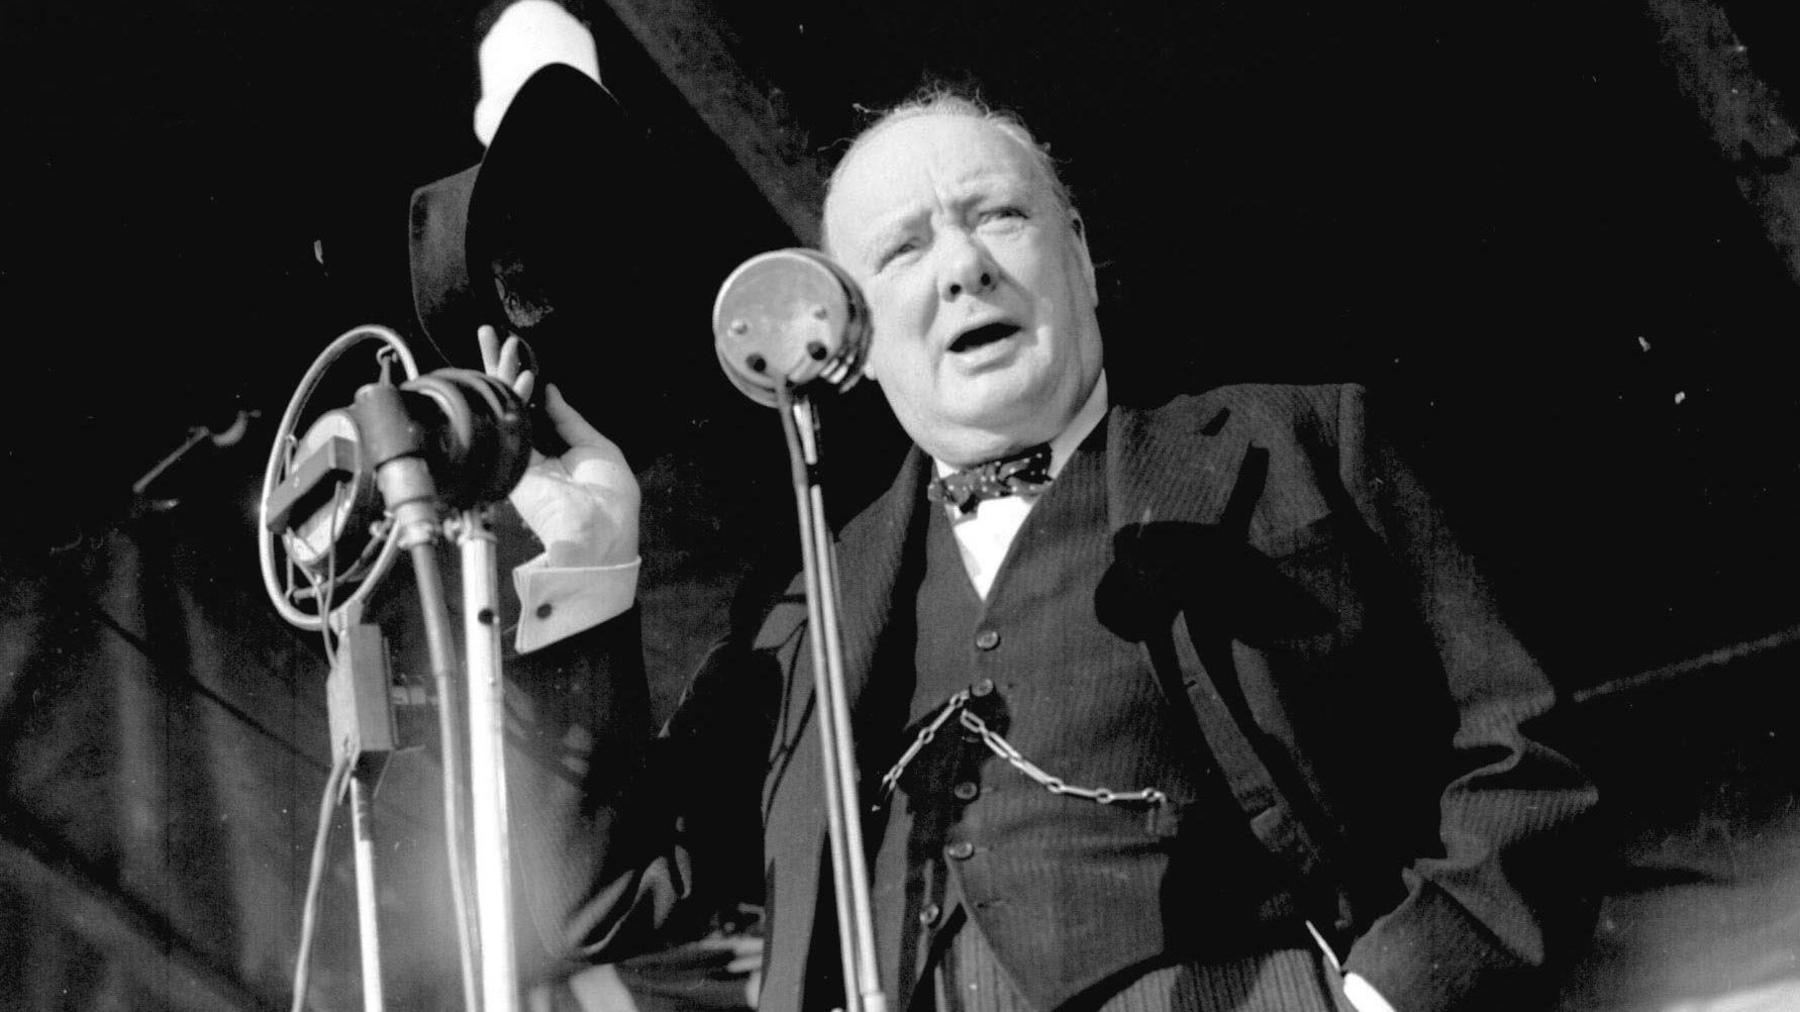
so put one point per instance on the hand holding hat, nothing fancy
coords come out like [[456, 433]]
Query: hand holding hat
[[583, 504], [541, 239]]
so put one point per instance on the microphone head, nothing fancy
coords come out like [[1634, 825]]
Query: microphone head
[[790, 318], [326, 502]]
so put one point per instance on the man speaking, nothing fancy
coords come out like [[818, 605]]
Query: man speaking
[[1189, 707]]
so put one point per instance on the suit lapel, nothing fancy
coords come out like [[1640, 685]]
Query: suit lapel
[[1174, 463], [870, 555]]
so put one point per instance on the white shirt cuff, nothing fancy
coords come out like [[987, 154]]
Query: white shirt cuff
[[1363, 995], [558, 602]]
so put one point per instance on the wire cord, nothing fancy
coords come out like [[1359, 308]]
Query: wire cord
[[309, 918]]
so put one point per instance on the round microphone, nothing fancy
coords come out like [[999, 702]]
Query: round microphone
[[790, 318], [328, 501], [461, 438]]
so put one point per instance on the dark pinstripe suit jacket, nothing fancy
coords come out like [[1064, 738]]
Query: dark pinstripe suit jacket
[[1284, 568]]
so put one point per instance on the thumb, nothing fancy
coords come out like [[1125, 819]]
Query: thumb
[[573, 428]]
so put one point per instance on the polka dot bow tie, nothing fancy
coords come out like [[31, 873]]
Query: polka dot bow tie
[[1024, 473]]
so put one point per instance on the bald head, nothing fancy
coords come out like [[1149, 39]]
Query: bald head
[[980, 288], [945, 103]]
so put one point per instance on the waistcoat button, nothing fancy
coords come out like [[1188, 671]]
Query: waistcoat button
[[961, 850], [985, 687], [966, 791], [928, 915], [987, 639]]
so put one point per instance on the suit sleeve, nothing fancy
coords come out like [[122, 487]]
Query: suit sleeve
[[595, 802], [626, 839], [1504, 895]]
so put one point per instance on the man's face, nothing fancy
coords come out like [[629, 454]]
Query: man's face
[[979, 286]]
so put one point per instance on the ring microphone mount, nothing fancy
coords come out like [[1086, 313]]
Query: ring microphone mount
[[324, 493], [317, 498]]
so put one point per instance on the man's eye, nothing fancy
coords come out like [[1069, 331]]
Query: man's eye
[[895, 251], [1007, 212]]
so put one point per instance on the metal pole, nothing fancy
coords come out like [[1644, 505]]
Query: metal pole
[[453, 734], [843, 807], [487, 762], [368, 907]]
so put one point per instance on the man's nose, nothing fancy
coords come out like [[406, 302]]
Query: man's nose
[[967, 268]]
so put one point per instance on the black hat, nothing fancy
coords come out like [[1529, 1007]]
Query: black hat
[[520, 240]]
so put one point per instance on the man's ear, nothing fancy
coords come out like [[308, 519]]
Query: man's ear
[[868, 359], [1087, 260], [868, 355]]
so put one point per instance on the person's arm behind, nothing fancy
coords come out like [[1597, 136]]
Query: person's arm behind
[[594, 870]]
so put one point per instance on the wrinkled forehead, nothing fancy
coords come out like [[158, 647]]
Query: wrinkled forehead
[[884, 165]]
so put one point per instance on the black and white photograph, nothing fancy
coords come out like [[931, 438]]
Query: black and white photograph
[[667, 505]]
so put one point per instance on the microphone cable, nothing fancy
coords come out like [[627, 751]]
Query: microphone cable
[[309, 918], [334, 786], [453, 748]]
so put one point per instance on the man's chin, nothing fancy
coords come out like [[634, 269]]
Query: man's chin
[[972, 438], [999, 417], [994, 396]]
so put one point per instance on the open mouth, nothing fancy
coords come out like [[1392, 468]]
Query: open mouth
[[982, 336]]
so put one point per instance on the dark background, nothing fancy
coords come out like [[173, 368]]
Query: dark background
[[1511, 221]]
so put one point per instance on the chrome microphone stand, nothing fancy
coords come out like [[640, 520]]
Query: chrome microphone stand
[[451, 441], [480, 453], [790, 325], [487, 760]]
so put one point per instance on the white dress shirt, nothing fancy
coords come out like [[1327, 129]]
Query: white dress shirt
[[556, 602]]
